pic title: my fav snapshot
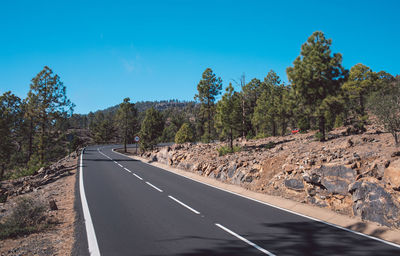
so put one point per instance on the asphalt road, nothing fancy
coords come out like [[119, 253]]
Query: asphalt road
[[138, 209]]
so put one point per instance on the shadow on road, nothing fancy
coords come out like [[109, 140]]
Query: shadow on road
[[296, 238]]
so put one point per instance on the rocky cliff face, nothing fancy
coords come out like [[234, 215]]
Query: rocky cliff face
[[355, 175]]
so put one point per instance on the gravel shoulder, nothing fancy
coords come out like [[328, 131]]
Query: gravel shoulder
[[58, 239]]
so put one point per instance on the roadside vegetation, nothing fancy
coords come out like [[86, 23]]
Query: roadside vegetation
[[28, 216]]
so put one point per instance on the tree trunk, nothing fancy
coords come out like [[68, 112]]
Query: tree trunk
[[283, 126], [273, 128], [209, 121], [41, 143], [2, 171], [396, 139], [30, 139], [243, 120], [322, 127], [231, 139], [126, 133]]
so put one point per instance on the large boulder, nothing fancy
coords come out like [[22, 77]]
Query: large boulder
[[392, 174], [294, 184], [372, 202], [335, 179]]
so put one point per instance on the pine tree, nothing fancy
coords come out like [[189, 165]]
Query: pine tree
[[357, 88], [270, 106], [10, 121], [151, 129], [249, 96], [102, 128], [184, 134], [228, 115], [48, 94], [126, 119], [317, 75], [208, 88]]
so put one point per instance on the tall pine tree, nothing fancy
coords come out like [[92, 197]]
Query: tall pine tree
[[126, 119], [316, 75], [209, 88], [48, 94], [228, 115]]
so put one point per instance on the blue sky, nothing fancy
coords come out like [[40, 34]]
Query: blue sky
[[105, 51]]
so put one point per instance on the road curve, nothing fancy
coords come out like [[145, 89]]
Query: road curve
[[139, 209]]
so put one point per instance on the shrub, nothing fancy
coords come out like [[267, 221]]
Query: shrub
[[227, 150], [319, 136], [270, 145], [27, 217], [261, 135]]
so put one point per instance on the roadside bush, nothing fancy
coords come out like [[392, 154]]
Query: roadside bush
[[261, 135], [319, 136], [27, 217], [227, 150], [270, 145]]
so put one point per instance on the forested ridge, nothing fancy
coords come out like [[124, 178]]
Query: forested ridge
[[321, 95]]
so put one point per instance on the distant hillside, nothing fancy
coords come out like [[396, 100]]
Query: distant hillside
[[142, 106]]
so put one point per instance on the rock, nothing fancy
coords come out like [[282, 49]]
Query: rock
[[396, 153], [335, 179], [392, 174], [312, 178], [372, 202], [377, 170], [294, 184], [311, 192], [350, 143], [238, 177], [53, 205], [232, 169], [288, 167]]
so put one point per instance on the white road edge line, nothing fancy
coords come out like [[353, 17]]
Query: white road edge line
[[91, 235], [151, 185], [244, 240], [280, 208], [184, 205], [127, 170], [137, 176]]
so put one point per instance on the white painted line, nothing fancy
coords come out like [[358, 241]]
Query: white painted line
[[127, 170], [244, 240], [120, 165], [115, 162], [151, 185], [91, 235], [137, 176], [185, 205]]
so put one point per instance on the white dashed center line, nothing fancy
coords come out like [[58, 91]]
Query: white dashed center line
[[151, 185], [137, 176], [127, 169], [184, 205]]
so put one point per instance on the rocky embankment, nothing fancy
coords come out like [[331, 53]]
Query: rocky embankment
[[357, 175]]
